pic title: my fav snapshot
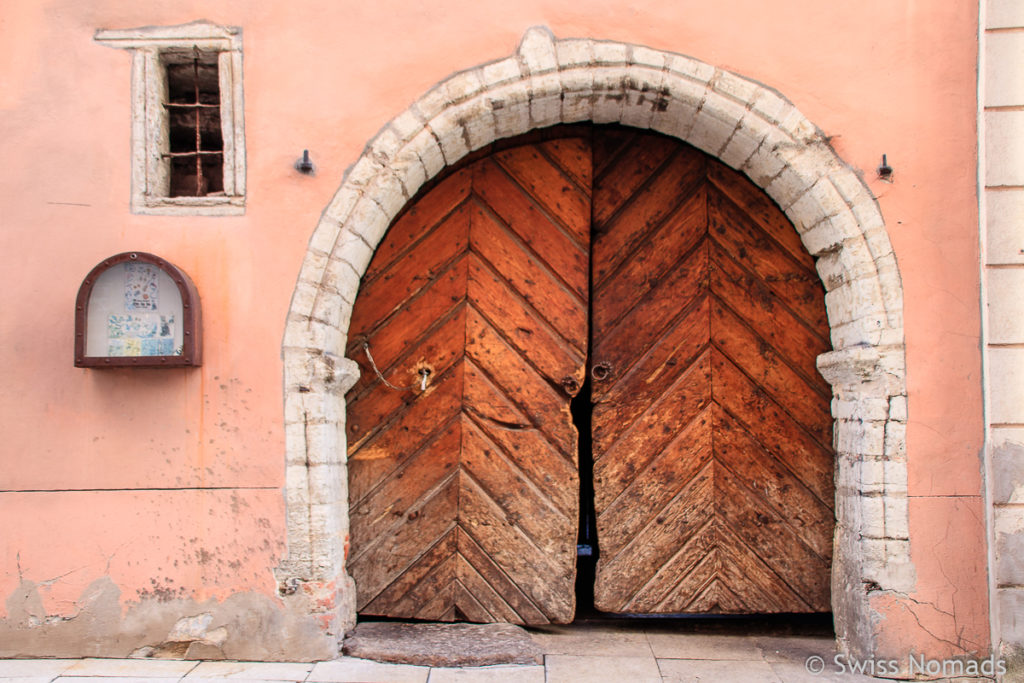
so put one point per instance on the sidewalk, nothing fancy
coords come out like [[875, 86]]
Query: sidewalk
[[576, 653]]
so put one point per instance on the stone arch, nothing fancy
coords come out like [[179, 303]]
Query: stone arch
[[749, 127]]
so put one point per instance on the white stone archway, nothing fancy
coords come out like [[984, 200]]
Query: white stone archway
[[748, 126]]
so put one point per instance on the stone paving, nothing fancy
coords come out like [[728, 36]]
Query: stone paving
[[580, 652]]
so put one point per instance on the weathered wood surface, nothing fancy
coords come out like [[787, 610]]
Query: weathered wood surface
[[711, 430], [464, 497]]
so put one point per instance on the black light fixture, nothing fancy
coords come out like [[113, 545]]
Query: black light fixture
[[304, 165], [885, 170]]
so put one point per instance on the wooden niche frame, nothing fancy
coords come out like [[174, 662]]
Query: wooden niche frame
[[191, 318]]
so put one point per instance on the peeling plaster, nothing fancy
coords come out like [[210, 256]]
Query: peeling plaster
[[244, 626]]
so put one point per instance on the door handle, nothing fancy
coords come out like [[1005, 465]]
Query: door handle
[[601, 371]]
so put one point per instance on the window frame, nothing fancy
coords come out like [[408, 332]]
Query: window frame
[[150, 169]]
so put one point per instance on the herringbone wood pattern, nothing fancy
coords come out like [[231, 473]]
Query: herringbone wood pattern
[[712, 432], [464, 497]]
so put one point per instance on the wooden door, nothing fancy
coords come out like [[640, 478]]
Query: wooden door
[[464, 496], [689, 297], [711, 426]]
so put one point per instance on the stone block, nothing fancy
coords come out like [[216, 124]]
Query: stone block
[[873, 516], [451, 136], [574, 52], [1011, 615], [1005, 289], [1007, 459], [477, 120], [353, 250], [1004, 217], [1006, 388], [1009, 542], [764, 165], [710, 131], [769, 105], [537, 50], [577, 95], [787, 187], [677, 118], [1004, 69], [463, 85], [896, 477], [897, 525], [407, 125], [1004, 148], [747, 137], [1004, 14], [608, 53], [734, 86], [429, 151], [342, 204], [387, 190], [432, 103], [500, 72], [690, 68], [647, 57], [408, 168]]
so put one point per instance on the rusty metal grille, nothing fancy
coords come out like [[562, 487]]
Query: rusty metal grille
[[196, 148]]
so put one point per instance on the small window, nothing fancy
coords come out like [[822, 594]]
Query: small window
[[188, 144]]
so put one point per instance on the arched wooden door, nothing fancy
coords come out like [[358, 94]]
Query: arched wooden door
[[688, 297]]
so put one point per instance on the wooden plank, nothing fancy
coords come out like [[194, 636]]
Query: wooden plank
[[625, 178], [376, 566], [742, 237], [546, 293], [399, 595], [758, 360], [613, 241], [763, 589], [572, 156], [777, 487], [648, 318], [406, 487], [411, 273], [654, 486], [495, 577], [468, 608], [553, 189], [617, 460], [380, 406], [489, 598], [522, 503], [769, 317], [773, 428], [760, 208], [528, 449], [419, 424], [660, 366], [619, 578], [524, 329], [546, 409], [669, 243], [672, 586], [751, 521], [420, 219], [547, 579], [402, 334]]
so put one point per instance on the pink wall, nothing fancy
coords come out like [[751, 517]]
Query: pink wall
[[177, 474]]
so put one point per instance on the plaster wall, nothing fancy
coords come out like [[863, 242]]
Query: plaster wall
[[164, 487], [1002, 201]]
